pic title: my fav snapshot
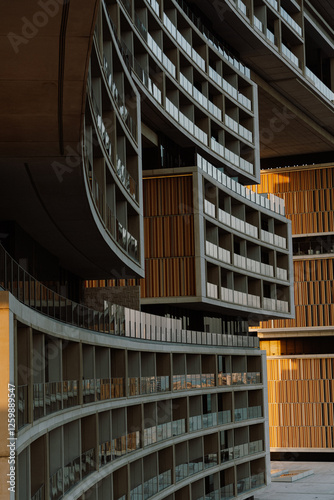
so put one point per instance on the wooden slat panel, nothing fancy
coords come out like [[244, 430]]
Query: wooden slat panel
[[301, 407], [169, 237]]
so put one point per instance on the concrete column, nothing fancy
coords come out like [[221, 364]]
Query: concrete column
[[6, 377], [266, 444]]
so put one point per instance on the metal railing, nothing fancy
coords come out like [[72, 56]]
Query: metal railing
[[225, 53], [115, 319], [268, 201]]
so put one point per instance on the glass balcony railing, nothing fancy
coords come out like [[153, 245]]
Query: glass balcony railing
[[273, 3], [271, 37], [105, 453], [227, 492], [224, 379], [195, 466], [208, 379], [258, 24], [291, 22], [56, 485], [150, 436], [155, 6], [164, 431], [51, 397], [273, 304], [101, 128], [282, 306], [181, 472], [118, 447], [231, 157], [255, 447], [249, 483], [239, 129], [126, 240], [127, 180], [209, 420], [38, 400], [185, 122], [133, 442], [88, 463], [240, 414], [210, 460], [88, 390], [290, 55], [70, 393], [242, 450], [209, 208], [268, 201], [134, 386], [212, 495], [137, 493], [267, 269], [212, 290], [150, 487], [243, 485], [224, 417], [22, 405], [179, 382], [195, 423], [114, 320], [183, 43], [254, 411], [257, 480], [193, 381], [226, 294], [157, 51], [210, 38], [164, 480], [281, 274], [226, 454], [119, 101], [179, 427], [141, 27], [200, 98], [71, 474], [217, 252], [326, 91], [154, 384], [158, 433], [242, 7]]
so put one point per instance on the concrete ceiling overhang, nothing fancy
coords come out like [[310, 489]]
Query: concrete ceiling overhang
[[325, 8], [45, 48], [281, 87]]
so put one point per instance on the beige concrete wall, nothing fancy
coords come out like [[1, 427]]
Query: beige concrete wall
[[6, 350]]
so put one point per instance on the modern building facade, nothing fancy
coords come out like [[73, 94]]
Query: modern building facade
[[132, 140], [300, 350]]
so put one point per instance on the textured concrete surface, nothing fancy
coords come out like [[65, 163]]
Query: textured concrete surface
[[319, 486]]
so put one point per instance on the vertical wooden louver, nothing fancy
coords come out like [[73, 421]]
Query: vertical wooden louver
[[300, 383], [308, 196], [301, 407], [309, 203], [169, 237]]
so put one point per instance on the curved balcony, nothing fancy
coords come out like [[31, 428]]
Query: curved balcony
[[188, 124]]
